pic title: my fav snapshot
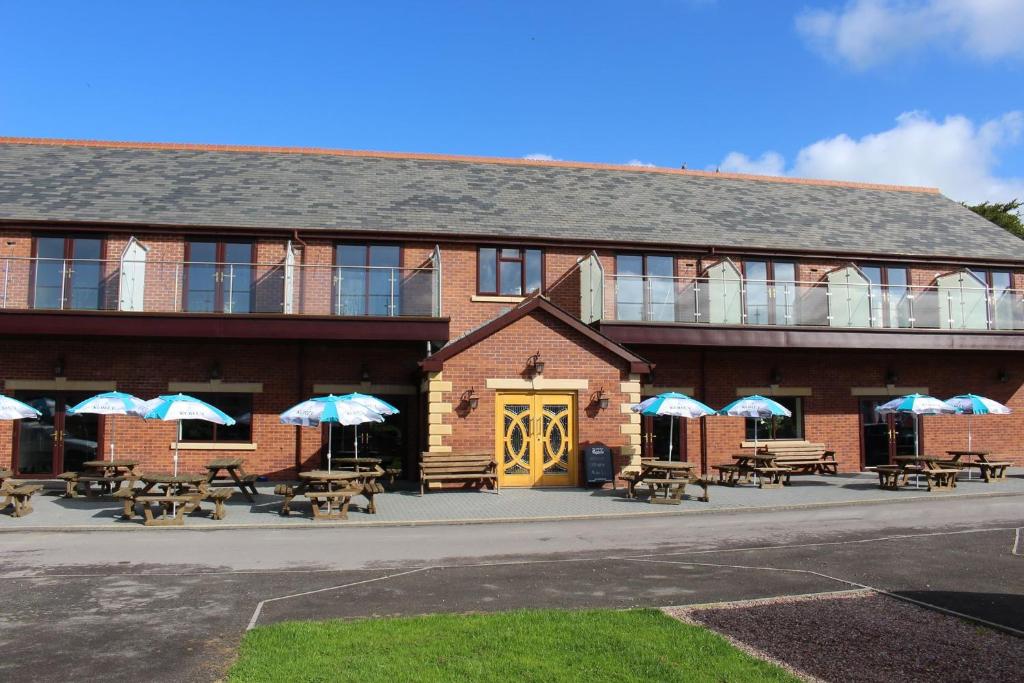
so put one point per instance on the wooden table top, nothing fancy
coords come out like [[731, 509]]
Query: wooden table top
[[97, 464], [760, 457], [163, 478], [668, 464], [968, 452], [357, 461], [225, 463], [333, 475]]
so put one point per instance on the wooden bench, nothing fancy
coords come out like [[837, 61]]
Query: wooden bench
[[73, 481], [172, 509], [478, 469], [802, 457], [729, 475], [218, 497], [21, 498], [772, 477], [889, 476], [940, 478], [322, 501], [631, 477], [289, 491], [673, 490], [993, 471]]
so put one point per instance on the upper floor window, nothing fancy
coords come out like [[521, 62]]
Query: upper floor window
[[238, 406], [67, 273], [367, 279], [218, 276], [645, 287], [770, 292], [509, 271], [889, 296]]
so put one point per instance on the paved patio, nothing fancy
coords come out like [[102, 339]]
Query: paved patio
[[405, 506]]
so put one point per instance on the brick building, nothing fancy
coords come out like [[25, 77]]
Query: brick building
[[508, 306]]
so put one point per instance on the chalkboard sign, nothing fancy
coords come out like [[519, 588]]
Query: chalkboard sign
[[597, 464]]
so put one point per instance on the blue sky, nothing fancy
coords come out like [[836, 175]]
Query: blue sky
[[924, 91]]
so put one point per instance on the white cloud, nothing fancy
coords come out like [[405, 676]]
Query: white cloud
[[865, 33], [638, 162], [536, 156], [955, 155], [769, 163]]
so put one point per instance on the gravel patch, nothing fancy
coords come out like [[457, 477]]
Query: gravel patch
[[865, 637]]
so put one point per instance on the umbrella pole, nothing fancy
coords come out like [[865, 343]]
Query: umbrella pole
[[671, 424], [969, 416], [330, 431], [113, 433], [355, 443]]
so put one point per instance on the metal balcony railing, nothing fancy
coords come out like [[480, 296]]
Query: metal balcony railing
[[726, 301], [225, 288]]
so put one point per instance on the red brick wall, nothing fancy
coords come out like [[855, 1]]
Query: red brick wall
[[831, 413], [567, 355], [145, 369]]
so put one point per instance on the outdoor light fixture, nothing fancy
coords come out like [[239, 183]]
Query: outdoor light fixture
[[365, 374], [600, 399], [215, 370], [58, 367], [891, 377], [775, 377], [536, 364], [470, 398], [1003, 376]]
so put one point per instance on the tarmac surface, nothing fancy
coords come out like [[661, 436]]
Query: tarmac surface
[[173, 605]]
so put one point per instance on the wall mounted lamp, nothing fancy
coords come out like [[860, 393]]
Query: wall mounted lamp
[[470, 398], [775, 376], [600, 399], [58, 367], [536, 364], [1003, 376], [891, 377]]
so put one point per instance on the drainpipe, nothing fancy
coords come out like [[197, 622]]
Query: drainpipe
[[300, 380], [703, 420]]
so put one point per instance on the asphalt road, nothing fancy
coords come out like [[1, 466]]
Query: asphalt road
[[171, 605]]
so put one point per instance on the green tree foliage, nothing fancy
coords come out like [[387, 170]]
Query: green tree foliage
[[1004, 215]]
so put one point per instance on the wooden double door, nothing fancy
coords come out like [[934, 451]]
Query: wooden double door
[[536, 439]]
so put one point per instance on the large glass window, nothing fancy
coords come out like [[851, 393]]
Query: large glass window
[[218, 277], [367, 279], [238, 406], [645, 287], [509, 271], [888, 295], [770, 292], [68, 273], [780, 427]]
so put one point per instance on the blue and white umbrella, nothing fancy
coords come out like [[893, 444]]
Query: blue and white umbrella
[[338, 409], [13, 409], [178, 407], [916, 404], [756, 407], [672, 404], [372, 402], [972, 404], [112, 403]]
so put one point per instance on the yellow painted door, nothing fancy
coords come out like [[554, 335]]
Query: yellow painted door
[[536, 439]]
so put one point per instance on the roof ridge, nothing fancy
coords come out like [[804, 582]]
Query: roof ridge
[[459, 158]]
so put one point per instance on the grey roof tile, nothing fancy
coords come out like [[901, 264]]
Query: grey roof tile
[[276, 190]]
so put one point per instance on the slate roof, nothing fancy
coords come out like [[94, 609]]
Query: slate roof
[[421, 194]]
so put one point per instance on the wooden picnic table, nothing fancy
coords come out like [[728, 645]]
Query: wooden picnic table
[[108, 474], [178, 495], [668, 477], [939, 476], [336, 484], [234, 467], [763, 465], [991, 470]]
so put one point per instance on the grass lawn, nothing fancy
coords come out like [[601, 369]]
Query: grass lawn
[[528, 645]]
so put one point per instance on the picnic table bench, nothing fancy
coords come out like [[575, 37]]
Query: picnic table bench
[[166, 499], [801, 456], [319, 486], [665, 477], [473, 468], [108, 474], [20, 497], [991, 470], [939, 478], [765, 466], [234, 467]]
